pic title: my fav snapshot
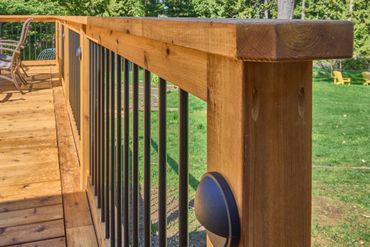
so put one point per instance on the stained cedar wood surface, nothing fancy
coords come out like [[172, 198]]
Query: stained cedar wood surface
[[40, 199], [247, 39]]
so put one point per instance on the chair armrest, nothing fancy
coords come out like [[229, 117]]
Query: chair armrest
[[9, 44], [9, 41], [8, 49]]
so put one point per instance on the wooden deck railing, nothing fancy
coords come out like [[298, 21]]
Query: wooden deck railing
[[256, 77]]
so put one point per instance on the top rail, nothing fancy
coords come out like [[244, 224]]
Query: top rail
[[248, 40]]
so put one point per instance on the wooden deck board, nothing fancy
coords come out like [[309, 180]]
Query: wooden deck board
[[40, 195], [56, 242], [31, 215], [31, 232], [31, 203]]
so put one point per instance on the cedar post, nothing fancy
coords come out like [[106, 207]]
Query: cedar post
[[259, 129], [85, 98], [66, 63]]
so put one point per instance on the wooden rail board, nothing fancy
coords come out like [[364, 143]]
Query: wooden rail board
[[36, 204], [244, 39]]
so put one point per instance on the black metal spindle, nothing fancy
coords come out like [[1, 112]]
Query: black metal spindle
[[119, 151], [30, 44], [97, 125], [46, 41], [107, 145], [126, 155], [102, 130], [183, 168], [135, 153], [147, 174], [112, 150], [94, 99], [162, 198], [97, 120]]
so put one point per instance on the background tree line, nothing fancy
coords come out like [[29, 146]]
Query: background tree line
[[356, 10]]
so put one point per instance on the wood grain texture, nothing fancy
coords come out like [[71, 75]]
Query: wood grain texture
[[294, 40], [31, 215], [31, 232], [248, 39], [68, 158], [277, 205], [252, 40], [13, 174], [78, 222], [261, 128], [81, 236], [184, 67], [76, 204], [55, 242], [36, 147], [85, 107], [225, 122], [31, 203], [95, 214]]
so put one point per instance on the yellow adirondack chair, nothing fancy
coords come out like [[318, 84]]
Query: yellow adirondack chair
[[366, 76], [338, 78]]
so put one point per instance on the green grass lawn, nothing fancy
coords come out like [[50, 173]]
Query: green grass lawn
[[341, 160]]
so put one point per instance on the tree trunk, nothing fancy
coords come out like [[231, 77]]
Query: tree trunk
[[266, 10], [350, 9], [303, 9], [285, 9]]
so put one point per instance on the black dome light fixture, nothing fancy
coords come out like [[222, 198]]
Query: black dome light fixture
[[216, 210]]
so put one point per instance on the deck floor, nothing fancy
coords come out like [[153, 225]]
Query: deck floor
[[41, 203]]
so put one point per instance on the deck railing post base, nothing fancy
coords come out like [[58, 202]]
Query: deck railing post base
[[259, 139]]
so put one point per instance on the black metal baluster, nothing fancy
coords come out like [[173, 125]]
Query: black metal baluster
[[119, 151], [135, 168], [107, 166], [147, 179], [97, 125], [126, 155], [97, 103], [46, 41], [162, 198], [112, 150], [98, 119], [102, 140], [29, 45], [183, 168]]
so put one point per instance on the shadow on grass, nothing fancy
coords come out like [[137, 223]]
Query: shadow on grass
[[193, 182]]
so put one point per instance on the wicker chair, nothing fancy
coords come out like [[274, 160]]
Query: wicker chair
[[11, 62]]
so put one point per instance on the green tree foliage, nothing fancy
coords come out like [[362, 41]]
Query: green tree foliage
[[153, 8], [179, 8], [126, 8], [31, 7], [85, 7], [361, 19]]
